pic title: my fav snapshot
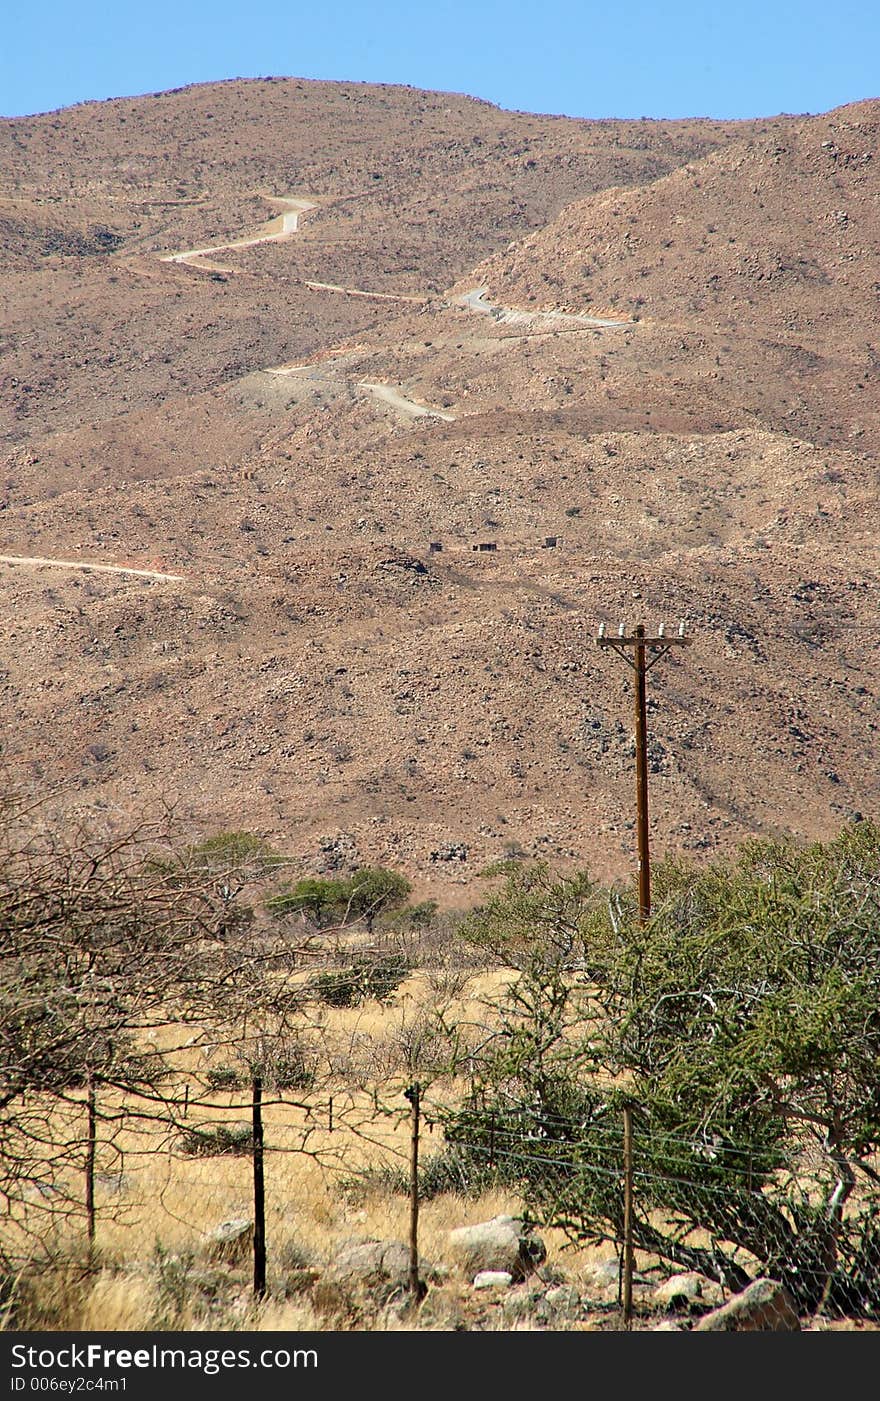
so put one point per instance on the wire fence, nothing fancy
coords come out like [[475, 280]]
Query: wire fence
[[229, 1174]]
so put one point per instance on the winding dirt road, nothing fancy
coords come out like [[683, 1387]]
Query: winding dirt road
[[505, 315], [284, 226], [389, 395], [318, 374], [358, 292], [35, 561]]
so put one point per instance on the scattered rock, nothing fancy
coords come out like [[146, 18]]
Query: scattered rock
[[680, 1291], [493, 1279], [450, 851], [765, 1306], [601, 1281], [373, 1270], [338, 851], [564, 1300], [543, 1307], [401, 560], [526, 1305]]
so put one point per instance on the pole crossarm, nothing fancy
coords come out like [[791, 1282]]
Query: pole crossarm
[[658, 645]]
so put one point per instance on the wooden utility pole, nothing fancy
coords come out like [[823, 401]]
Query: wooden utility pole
[[634, 649]]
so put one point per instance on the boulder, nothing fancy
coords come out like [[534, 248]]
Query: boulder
[[504, 1243], [601, 1281], [690, 1291], [232, 1242], [680, 1291], [526, 1306], [765, 1306], [536, 1306], [374, 1270]]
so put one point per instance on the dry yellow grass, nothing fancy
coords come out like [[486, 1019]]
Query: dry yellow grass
[[118, 1303], [156, 1207]]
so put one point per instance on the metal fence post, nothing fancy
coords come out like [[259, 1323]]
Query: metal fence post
[[627, 1216], [91, 1147], [416, 1289], [259, 1192]]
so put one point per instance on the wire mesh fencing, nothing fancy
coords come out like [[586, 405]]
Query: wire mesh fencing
[[242, 1175], [733, 1212]]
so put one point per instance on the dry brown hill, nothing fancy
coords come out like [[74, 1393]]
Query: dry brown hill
[[412, 189], [768, 249], [289, 453]]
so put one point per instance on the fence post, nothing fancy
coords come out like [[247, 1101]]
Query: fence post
[[416, 1288], [91, 1145], [627, 1216], [259, 1192]]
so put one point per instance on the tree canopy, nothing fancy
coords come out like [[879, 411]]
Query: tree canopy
[[369, 892]]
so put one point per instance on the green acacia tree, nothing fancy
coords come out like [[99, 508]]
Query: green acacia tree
[[741, 1023], [321, 901], [373, 891], [362, 897]]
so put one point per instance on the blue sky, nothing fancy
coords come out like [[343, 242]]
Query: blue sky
[[589, 59]]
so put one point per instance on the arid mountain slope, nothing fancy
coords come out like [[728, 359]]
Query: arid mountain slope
[[292, 452], [412, 188], [782, 225], [769, 248]]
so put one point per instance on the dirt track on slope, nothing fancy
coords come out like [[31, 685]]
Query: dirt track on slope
[[35, 561], [284, 226]]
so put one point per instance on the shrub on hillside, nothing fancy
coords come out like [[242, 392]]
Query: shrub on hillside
[[741, 1024], [215, 1140], [362, 980], [369, 892]]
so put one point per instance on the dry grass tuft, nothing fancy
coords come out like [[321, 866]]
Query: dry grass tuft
[[119, 1303], [287, 1316]]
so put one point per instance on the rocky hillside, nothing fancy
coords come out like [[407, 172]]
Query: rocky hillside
[[296, 446]]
